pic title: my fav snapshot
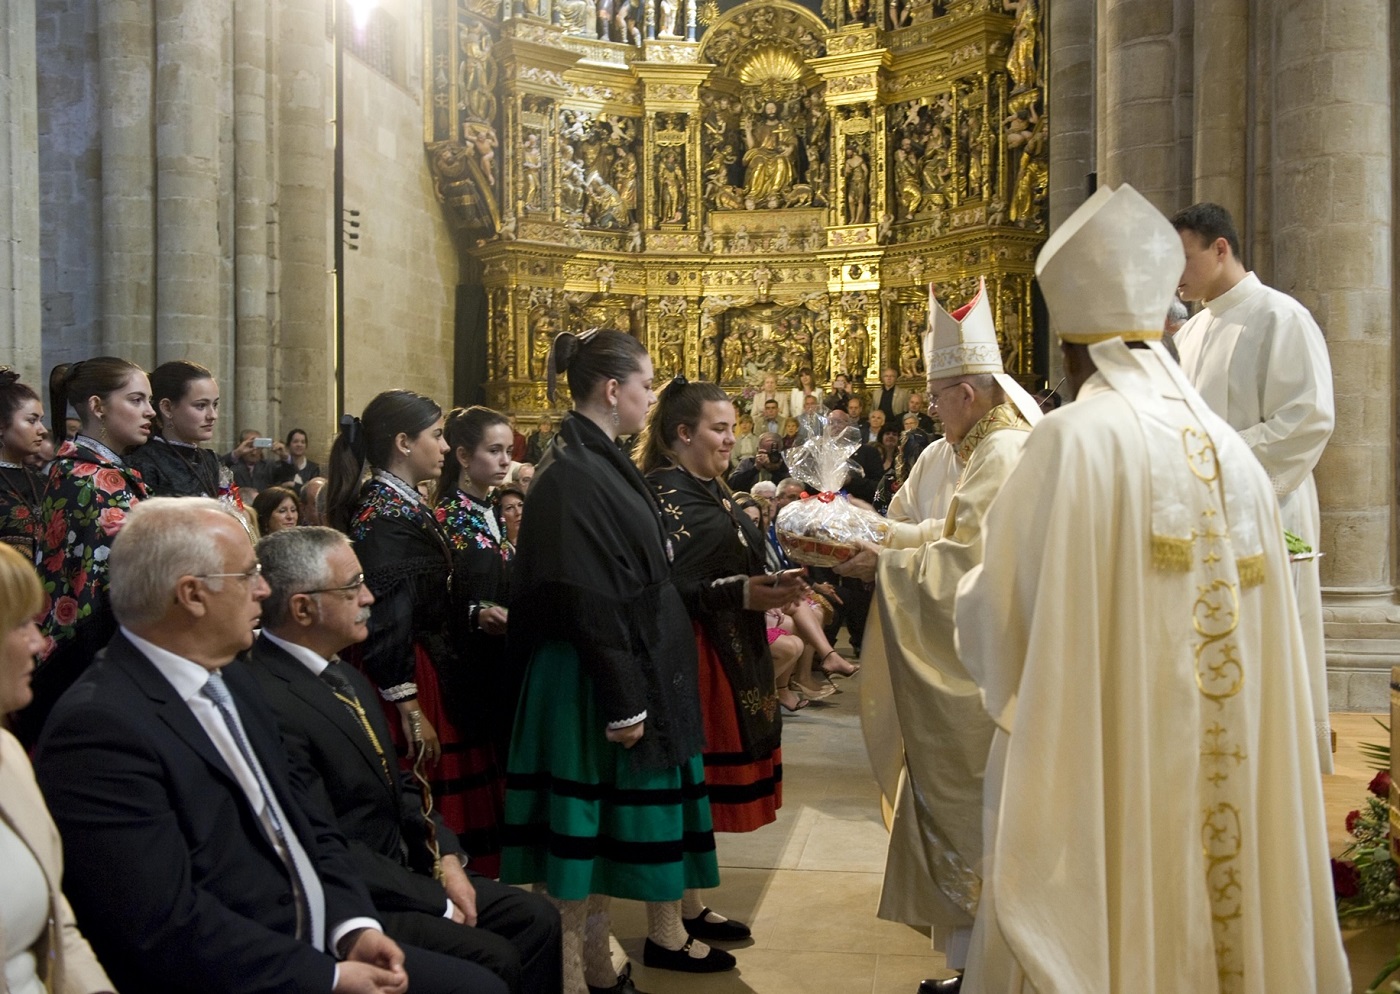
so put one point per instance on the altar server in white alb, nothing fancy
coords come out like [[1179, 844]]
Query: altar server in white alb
[[1156, 810], [1259, 359], [933, 866]]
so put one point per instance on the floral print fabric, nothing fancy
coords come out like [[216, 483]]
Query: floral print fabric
[[84, 506]]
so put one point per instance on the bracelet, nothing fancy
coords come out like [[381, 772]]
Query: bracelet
[[415, 725], [473, 617]]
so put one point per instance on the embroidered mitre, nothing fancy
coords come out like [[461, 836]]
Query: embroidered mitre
[[964, 343]]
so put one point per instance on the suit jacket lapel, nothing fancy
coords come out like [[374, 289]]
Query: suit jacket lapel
[[171, 708], [319, 696]]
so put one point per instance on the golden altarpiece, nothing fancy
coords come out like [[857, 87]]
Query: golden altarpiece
[[748, 189]]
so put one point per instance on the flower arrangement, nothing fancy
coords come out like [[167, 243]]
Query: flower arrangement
[[1366, 876]]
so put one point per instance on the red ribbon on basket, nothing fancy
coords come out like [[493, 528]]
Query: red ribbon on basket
[[826, 497]]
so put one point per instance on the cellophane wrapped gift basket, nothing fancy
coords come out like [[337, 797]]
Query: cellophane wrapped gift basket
[[825, 528]]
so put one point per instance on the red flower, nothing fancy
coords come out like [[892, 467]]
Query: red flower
[[1380, 785], [110, 481], [57, 531], [80, 581], [83, 469], [1346, 880], [111, 520], [21, 512], [65, 611], [441, 515]]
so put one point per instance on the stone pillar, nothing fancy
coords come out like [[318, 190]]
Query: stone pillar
[[1070, 45], [251, 345], [1333, 237], [1221, 75], [126, 61], [306, 373], [1141, 143], [19, 196], [189, 52]]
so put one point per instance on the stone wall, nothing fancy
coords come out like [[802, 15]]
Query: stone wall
[[180, 191], [400, 284], [70, 181]]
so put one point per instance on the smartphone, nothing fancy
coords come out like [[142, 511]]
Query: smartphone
[[262, 443]]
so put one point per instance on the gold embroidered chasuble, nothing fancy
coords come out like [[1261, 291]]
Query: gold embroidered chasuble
[[932, 870], [1155, 818]]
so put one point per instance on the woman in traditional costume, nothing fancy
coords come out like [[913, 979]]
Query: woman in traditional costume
[[719, 570], [480, 440], [605, 793], [407, 562], [175, 463], [22, 434], [90, 490]]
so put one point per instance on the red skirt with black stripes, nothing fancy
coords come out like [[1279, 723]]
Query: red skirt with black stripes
[[746, 789]]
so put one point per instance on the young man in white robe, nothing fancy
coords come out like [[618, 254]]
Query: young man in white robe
[[1155, 810], [1259, 359], [933, 866]]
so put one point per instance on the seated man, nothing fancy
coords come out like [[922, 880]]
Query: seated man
[[319, 606], [194, 858]]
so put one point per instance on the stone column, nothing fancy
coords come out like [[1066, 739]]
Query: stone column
[[189, 52], [1222, 87], [306, 365], [19, 197], [1070, 53], [1141, 144], [126, 62], [1333, 236], [251, 344]]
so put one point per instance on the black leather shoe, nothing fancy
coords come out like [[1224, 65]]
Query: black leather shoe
[[725, 931], [948, 985], [715, 961], [624, 984]]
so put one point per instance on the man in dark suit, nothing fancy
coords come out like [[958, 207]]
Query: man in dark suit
[[334, 729], [194, 859]]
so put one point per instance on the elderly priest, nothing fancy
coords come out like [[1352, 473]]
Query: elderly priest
[[932, 872]]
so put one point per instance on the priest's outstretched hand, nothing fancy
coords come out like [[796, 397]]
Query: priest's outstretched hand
[[861, 566]]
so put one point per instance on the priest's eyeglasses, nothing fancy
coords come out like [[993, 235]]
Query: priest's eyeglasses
[[353, 587]]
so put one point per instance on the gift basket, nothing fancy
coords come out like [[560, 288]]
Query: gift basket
[[825, 528]]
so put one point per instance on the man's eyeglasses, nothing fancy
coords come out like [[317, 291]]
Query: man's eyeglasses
[[935, 394], [352, 587], [248, 574]]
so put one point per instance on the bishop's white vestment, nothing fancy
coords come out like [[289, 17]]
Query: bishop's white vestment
[[934, 862], [1259, 360], [1155, 809], [924, 496]]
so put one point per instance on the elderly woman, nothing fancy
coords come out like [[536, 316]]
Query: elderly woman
[[42, 947]]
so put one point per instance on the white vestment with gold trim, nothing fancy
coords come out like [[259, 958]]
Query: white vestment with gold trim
[[1155, 820]]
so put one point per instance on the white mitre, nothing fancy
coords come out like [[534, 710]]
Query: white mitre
[[1114, 265], [964, 343]]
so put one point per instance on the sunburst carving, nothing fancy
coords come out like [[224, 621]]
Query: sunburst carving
[[771, 65]]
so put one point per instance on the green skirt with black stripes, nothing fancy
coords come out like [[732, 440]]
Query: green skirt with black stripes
[[579, 817]]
